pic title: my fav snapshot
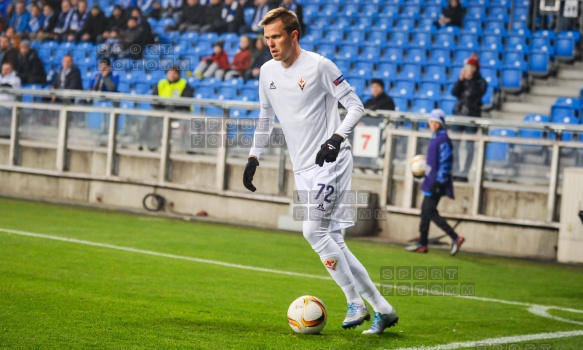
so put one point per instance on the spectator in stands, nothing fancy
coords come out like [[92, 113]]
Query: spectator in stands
[[173, 86], [260, 56], [156, 12], [191, 18], [261, 8], [134, 40], [127, 6], [232, 18], [20, 18], [143, 22], [212, 17], [3, 7], [35, 21], [293, 6], [241, 61], [8, 80], [451, 15], [8, 54], [209, 65], [94, 26], [114, 22], [437, 183], [30, 67], [66, 18], [68, 77], [13, 37], [379, 100], [112, 47], [469, 90], [105, 79], [145, 6], [174, 9], [48, 25], [81, 18]]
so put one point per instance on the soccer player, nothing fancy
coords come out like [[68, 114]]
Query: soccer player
[[437, 183], [303, 89]]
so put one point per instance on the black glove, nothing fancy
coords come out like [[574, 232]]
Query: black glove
[[252, 164], [329, 150], [437, 188]]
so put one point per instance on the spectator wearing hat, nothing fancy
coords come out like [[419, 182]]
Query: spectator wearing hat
[[209, 65], [437, 183], [379, 100], [469, 90], [30, 67], [451, 15]]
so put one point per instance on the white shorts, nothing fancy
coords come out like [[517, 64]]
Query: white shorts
[[323, 194]]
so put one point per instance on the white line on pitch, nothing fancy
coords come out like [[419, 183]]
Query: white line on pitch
[[252, 268], [503, 340]]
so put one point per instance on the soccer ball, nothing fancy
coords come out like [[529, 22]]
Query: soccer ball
[[417, 165], [307, 314]]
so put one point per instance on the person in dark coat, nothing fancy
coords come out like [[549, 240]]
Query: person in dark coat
[[143, 22], [260, 56], [438, 182], [68, 77], [105, 80], [94, 26], [115, 22], [469, 90], [135, 39], [451, 15], [48, 24], [30, 67], [296, 8], [212, 16], [191, 18], [379, 100], [8, 54]]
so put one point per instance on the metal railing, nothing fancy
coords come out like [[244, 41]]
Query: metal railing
[[61, 125]]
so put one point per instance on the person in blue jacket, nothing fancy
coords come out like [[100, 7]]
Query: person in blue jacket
[[437, 183]]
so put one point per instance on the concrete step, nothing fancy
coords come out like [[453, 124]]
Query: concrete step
[[575, 84], [524, 108], [554, 91], [570, 74], [501, 115], [541, 100]]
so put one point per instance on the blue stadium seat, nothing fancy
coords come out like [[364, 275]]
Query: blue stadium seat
[[327, 50], [566, 46], [401, 103], [417, 56], [250, 94], [227, 93], [534, 133], [404, 89], [348, 51], [565, 135], [493, 81], [440, 56], [410, 72], [512, 80], [392, 54], [357, 83], [447, 103], [124, 87], [435, 73], [499, 151], [422, 105], [566, 107], [387, 70], [544, 33], [399, 39], [377, 36], [371, 53], [472, 27], [213, 111], [429, 90]]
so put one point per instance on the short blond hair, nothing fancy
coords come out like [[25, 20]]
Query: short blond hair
[[289, 19]]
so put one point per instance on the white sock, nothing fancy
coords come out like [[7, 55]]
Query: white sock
[[364, 284], [335, 262]]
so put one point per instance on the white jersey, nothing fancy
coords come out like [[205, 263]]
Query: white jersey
[[304, 97]]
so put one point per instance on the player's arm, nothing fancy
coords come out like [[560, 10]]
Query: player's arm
[[263, 130], [333, 81]]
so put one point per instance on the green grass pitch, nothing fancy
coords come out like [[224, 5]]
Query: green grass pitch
[[57, 294]]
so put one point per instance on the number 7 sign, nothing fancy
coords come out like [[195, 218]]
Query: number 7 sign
[[367, 140]]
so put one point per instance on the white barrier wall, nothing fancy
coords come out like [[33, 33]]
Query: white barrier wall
[[570, 248]]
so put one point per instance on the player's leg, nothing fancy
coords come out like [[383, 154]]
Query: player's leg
[[318, 187]]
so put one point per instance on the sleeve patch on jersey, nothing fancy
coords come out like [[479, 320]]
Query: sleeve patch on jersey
[[339, 80]]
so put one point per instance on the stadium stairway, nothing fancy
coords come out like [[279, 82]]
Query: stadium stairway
[[543, 93]]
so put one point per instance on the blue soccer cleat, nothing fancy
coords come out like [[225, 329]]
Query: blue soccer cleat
[[382, 321], [355, 316]]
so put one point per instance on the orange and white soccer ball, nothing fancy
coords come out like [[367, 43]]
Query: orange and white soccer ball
[[417, 165], [307, 314]]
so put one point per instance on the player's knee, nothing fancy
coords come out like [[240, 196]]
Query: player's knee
[[312, 232]]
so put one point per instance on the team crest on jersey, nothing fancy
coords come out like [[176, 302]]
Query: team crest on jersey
[[320, 207], [272, 86], [331, 263], [302, 83], [338, 80]]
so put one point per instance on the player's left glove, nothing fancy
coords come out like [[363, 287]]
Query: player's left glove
[[329, 150]]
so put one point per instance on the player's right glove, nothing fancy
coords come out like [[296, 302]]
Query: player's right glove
[[329, 150], [252, 164]]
